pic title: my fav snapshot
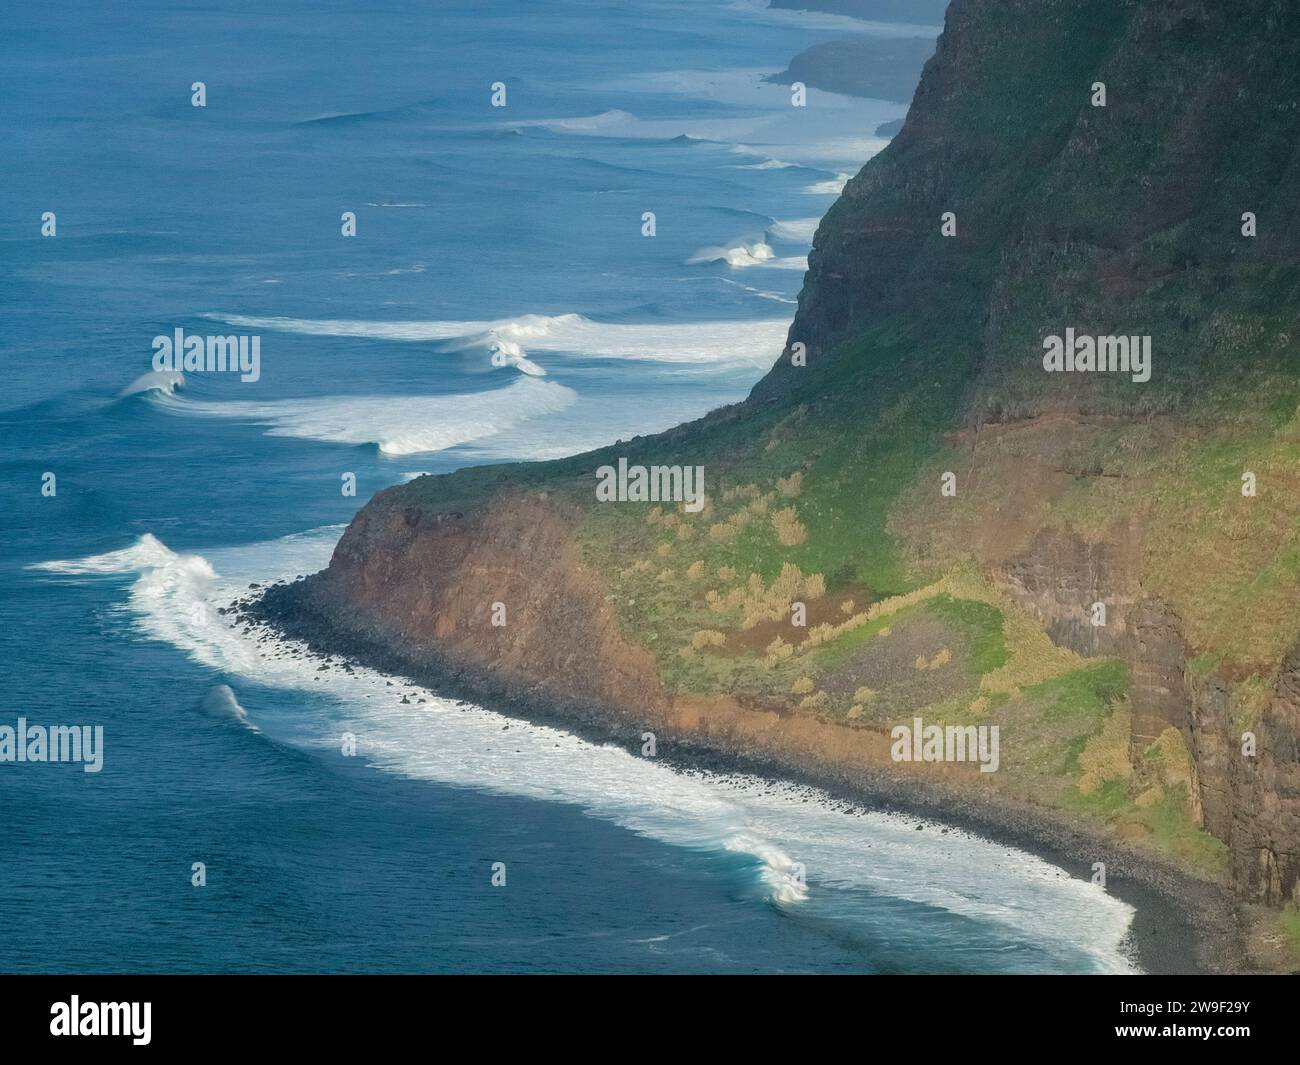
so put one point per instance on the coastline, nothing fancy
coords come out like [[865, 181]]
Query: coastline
[[866, 67], [1183, 923]]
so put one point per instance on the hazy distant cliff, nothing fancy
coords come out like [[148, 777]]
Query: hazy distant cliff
[[1071, 556]]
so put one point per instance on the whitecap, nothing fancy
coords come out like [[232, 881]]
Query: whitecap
[[800, 230], [754, 342], [809, 852], [737, 253], [831, 187], [164, 382], [740, 255], [221, 703], [399, 425]]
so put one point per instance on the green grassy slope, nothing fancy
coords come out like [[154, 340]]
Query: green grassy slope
[[824, 486]]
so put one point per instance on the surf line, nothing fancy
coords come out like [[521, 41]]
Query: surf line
[[55, 743]]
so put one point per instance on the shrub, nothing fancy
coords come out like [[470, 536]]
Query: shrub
[[791, 486], [789, 530], [707, 638]]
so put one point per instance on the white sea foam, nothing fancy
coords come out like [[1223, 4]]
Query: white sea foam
[[162, 381], [399, 425], [743, 253], [801, 230], [756, 342], [147, 553], [760, 123], [848, 854], [737, 253], [222, 704], [766, 164], [831, 187], [605, 121], [775, 297]]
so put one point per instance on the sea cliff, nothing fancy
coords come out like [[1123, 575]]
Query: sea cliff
[[1106, 569]]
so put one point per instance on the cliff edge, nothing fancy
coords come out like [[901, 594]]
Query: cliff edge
[[956, 497]]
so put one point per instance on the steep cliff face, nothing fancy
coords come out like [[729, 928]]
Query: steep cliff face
[[949, 514], [503, 588], [1125, 217], [1265, 829]]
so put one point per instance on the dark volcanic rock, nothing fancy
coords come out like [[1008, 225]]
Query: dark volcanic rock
[[1266, 826]]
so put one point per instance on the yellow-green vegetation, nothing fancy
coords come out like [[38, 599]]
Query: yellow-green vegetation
[[1155, 802], [824, 487], [1105, 755], [1250, 698], [1227, 563], [1289, 922]]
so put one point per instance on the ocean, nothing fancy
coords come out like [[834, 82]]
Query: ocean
[[500, 300]]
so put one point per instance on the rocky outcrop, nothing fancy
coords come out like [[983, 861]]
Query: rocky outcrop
[[503, 588], [1121, 218], [1250, 801], [1082, 591], [1158, 657], [1217, 754], [1266, 821]]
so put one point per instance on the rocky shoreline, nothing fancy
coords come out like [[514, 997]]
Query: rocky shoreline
[[1183, 923]]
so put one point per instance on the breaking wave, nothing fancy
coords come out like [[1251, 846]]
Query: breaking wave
[[161, 381], [740, 254], [831, 187], [220, 703], [850, 855], [398, 425], [755, 342], [800, 230]]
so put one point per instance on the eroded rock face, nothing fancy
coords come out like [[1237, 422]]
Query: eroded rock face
[[437, 580], [1062, 578], [1266, 819], [1250, 803], [1217, 757], [1050, 231], [1158, 660]]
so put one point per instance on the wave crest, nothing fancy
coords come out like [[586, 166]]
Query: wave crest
[[220, 703], [398, 425], [756, 342], [851, 855], [164, 382]]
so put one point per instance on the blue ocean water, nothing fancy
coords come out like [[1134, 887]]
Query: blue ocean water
[[499, 301]]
